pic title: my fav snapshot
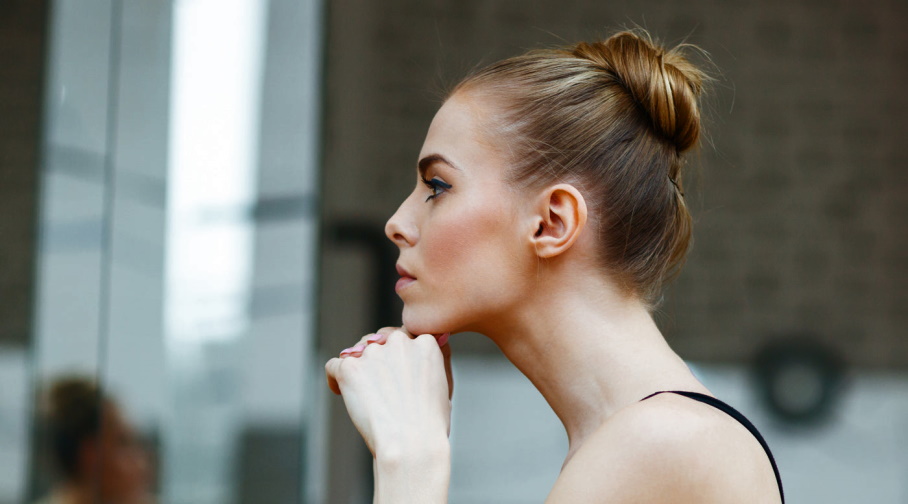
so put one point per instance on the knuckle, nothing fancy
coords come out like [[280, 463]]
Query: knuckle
[[369, 350], [425, 339], [397, 335]]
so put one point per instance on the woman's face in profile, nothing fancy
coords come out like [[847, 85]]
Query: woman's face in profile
[[116, 463], [463, 231]]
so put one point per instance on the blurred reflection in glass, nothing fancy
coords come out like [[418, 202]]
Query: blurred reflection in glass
[[178, 235], [94, 448]]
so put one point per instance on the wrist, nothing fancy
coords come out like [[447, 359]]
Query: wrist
[[417, 473], [401, 453]]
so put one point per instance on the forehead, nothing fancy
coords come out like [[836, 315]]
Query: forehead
[[459, 132]]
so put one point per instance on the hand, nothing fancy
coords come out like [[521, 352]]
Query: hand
[[380, 337], [395, 392]]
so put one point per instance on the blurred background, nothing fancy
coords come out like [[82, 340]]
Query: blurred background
[[192, 200]]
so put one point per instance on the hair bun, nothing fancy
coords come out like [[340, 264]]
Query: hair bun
[[663, 82]]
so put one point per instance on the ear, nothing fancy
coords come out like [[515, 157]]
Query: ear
[[560, 217]]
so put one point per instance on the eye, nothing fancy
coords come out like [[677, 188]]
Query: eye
[[437, 186]]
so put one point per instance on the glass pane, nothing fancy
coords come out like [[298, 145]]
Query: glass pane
[[178, 239]]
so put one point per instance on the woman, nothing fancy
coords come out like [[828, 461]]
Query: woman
[[548, 214], [95, 449]]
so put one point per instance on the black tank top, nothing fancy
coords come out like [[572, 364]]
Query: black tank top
[[712, 401]]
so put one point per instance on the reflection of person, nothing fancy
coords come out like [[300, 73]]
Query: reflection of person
[[548, 212], [95, 449]]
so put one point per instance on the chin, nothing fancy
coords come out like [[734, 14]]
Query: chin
[[424, 323]]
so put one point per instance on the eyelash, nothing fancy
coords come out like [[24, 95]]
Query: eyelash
[[434, 185]]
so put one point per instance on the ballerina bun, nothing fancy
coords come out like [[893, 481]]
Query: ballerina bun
[[662, 82]]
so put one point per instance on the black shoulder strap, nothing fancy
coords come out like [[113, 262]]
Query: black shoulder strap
[[712, 401]]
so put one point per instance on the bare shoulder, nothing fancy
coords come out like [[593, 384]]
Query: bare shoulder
[[668, 449]]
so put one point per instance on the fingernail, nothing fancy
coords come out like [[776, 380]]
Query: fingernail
[[346, 351], [357, 348], [443, 339], [373, 338]]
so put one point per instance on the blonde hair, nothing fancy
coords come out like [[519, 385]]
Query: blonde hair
[[613, 117]]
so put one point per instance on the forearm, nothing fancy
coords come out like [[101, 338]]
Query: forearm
[[419, 476]]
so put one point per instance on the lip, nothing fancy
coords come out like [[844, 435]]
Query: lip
[[405, 278]]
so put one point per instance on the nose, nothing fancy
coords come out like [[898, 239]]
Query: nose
[[400, 228]]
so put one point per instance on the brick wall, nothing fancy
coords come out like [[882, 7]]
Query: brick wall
[[22, 34], [801, 199]]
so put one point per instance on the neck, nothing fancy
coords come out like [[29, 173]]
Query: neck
[[590, 351]]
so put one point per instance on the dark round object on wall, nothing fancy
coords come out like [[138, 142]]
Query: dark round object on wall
[[799, 379]]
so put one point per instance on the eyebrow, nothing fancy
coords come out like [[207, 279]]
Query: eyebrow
[[431, 159]]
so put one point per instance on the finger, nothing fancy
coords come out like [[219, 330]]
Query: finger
[[379, 337], [354, 351], [442, 343], [374, 338], [332, 368], [398, 334], [365, 340]]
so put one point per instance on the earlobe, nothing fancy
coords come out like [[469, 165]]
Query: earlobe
[[561, 217]]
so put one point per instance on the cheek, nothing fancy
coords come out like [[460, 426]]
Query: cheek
[[474, 256], [450, 244]]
